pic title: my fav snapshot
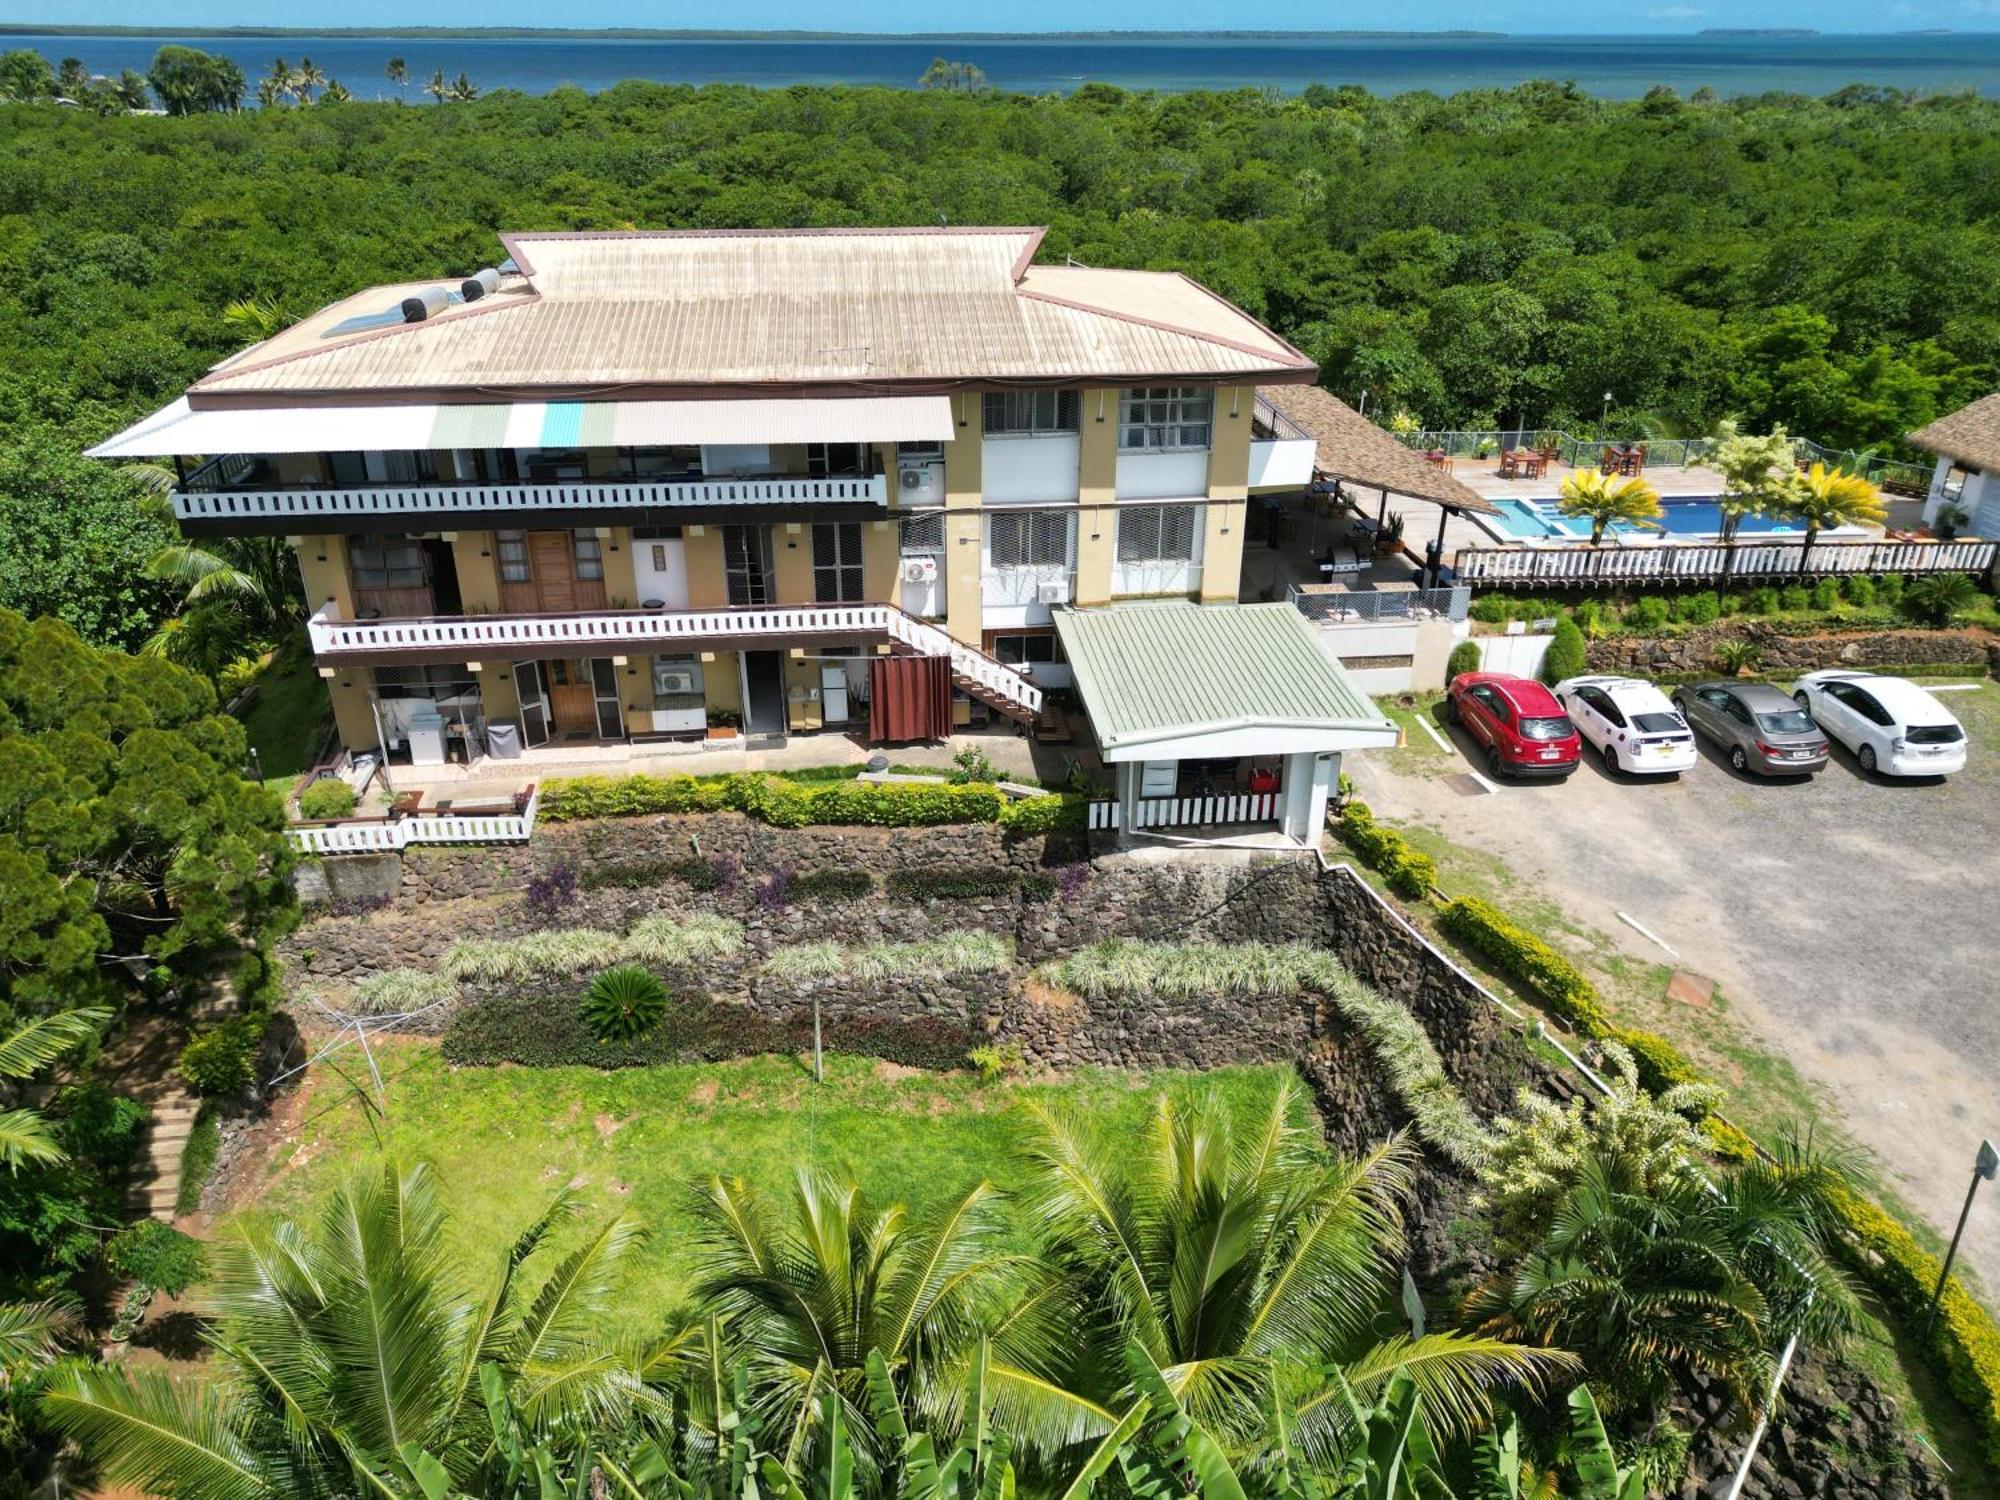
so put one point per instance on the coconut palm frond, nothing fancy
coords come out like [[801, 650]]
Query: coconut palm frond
[[160, 1436], [41, 1042]]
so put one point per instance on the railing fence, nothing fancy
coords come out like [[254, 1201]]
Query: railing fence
[[1189, 812], [1710, 562], [390, 835], [1330, 605]]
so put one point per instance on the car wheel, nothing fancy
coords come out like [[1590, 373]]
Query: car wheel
[[1738, 761], [1611, 760], [1865, 758], [1803, 701], [1451, 714], [1493, 766]]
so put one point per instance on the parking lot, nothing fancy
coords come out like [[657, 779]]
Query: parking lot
[[1853, 921]]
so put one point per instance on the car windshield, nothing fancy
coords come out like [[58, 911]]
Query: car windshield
[[1934, 734], [1657, 723], [1547, 729], [1789, 721]]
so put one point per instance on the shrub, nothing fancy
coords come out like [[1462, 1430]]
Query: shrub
[[666, 941], [1826, 594], [204, 1144], [1703, 608], [831, 885], [1649, 613], [971, 764], [1410, 874], [1761, 601], [699, 874], [776, 800], [1859, 589], [1794, 596], [1738, 656], [1661, 1065], [1038, 886], [964, 883], [329, 797], [1591, 619], [1464, 658], [1564, 658], [802, 961], [561, 950], [994, 1061], [624, 1003], [549, 1032], [1416, 1072], [1552, 979], [552, 890], [400, 990], [156, 1255], [1034, 816], [1889, 589], [1491, 609], [1934, 599], [222, 1060]]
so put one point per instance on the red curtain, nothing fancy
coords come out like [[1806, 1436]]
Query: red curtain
[[909, 698]]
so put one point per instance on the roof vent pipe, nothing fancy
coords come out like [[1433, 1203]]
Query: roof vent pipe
[[428, 303], [478, 284]]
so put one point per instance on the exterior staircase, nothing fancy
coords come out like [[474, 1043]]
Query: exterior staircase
[[1002, 689], [156, 1186]]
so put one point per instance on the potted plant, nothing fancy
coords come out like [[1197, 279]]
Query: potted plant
[[1949, 521], [723, 723], [1549, 444], [1389, 540]]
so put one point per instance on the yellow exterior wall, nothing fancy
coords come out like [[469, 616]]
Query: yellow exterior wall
[[1222, 551], [962, 480], [352, 716], [1097, 484], [1228, 484], [621, 581], [498, 695], [707, 587], [881, 561], [635, 691], [721, 681], [477, 563], [791, 561], [323, 567]]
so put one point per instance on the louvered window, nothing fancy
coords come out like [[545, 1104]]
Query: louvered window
[[1028, 539], [837, 562], [1157, 533], [1030, 413]]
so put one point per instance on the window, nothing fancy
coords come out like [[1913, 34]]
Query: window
[[410, 468], [1601, 701], [1157, 533], [824, 460], [931, 449], [745, 565], [439, 684], [513, 548], [1028, 539], [1025, 650], [1030, 413], [837, 562], [676, 679], [923, 535], [589, 553], [386, 562], [347, 469], [1164, 418]]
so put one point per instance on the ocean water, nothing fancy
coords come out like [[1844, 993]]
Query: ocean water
[[1616, 67]]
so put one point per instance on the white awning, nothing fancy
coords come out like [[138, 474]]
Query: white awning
[[179, 430]]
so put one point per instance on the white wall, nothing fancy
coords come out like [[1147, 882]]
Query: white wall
[[1161, 476], [1519, 654], [1026, 470], [1282, 462]]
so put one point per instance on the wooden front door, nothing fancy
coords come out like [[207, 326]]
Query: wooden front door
[[555, 582], [572, 698]]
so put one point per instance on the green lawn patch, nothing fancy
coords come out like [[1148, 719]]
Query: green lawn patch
[[635, 1140], [287, 720]]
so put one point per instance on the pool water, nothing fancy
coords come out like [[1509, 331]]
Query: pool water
[[1695, 516]]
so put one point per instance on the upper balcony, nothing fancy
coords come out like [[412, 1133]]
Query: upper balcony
[[1281, 452], [236, 493]]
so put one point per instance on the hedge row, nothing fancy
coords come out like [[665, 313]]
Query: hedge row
[[1410, 874], [550, 1032], [966, 882], [785, 803]]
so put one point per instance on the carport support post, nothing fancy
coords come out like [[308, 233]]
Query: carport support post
[[1437, 557], [1128, 794], [1302, 794]]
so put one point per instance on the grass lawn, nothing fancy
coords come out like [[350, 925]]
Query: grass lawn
[[503, 1139], [286, 721]]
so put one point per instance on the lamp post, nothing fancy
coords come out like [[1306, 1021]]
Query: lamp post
[[1363, 409], [1984, 1168], [1604, 421]]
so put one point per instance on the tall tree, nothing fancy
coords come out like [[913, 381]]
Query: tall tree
[[189, 81], [1823, 497], [72, 78], [437, 88], [25, 74], [279, 85], [305, 79], [398, 73], [1756, 478]]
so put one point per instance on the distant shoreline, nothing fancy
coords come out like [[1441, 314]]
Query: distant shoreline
[[643, 33]]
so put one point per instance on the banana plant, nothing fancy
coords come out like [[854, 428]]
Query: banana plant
[[1596, 1465]]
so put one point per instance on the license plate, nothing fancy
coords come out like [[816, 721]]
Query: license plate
[[1663, 750], [1551, 754]]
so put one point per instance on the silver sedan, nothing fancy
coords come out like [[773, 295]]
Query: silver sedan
[[1763, 732]]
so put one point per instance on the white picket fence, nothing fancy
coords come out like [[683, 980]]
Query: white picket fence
[[390, 835], [1189, 812]]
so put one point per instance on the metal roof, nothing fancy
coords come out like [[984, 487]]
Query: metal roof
[[178, 429], [670, 312], [1156, 672]]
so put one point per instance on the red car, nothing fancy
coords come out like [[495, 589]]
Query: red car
[[1523, 729]]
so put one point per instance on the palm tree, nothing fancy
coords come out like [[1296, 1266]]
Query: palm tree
[[277, 85], [1756, 472], [1603, 499], [398, 73], [308, 78], [463, 90], [808, 1296], [1823, 497], [1655, 1282], [26, 1051], [348, 1359], [1248, 1273], [437, 88], [336, 92], [254, 577]]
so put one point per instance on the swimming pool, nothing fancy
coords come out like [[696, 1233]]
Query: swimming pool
[[1682, 516]]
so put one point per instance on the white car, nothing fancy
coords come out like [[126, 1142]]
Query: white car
[[1892, 725], [1631, 723]]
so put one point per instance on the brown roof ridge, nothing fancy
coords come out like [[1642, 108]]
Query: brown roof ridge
[[1036, 233], [1217, 339], [514, 299]]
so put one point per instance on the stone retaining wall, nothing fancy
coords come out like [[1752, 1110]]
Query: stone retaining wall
[[1780, 651]]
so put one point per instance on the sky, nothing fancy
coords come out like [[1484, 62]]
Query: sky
[[1534, 16]]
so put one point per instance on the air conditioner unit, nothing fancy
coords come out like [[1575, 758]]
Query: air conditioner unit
[[1054, 591], [920, 570], [921, 482], [671, 681]]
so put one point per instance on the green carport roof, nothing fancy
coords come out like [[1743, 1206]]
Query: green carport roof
[[1170, 671]]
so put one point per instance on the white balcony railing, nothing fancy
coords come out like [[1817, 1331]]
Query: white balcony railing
[[418, 500], [386, 835], [1710, 561], [473, 636], [1189, 812]]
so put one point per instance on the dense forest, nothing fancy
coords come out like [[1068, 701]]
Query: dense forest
[[1483, 259]]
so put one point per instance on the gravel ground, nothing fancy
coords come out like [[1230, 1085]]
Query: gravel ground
[[1853, 921]]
